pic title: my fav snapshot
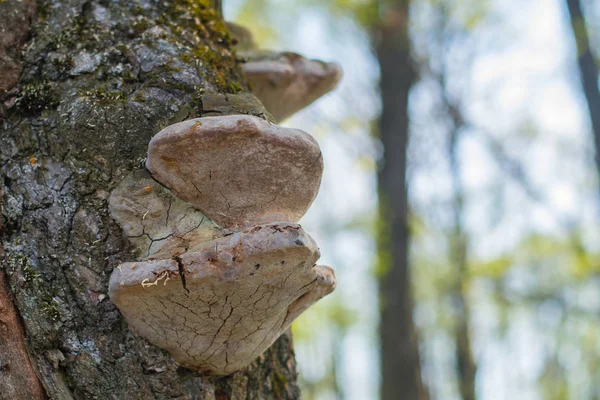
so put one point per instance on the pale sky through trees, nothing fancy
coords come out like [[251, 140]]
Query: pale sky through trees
[[519, 88]]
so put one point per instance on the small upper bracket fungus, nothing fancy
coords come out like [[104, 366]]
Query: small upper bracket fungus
[[219, 307], [242, 35], [287, 82], [239, 170]]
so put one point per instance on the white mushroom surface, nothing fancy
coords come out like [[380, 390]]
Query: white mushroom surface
[[239, 170], [219, 306]]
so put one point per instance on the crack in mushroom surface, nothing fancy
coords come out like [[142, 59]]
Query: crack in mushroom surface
[[157, 222]]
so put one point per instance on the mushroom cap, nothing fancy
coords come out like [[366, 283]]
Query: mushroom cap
[[288, 82], [239, 170], [241, 293]]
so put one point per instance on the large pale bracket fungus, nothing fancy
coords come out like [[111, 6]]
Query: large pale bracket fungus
[[223, 267], [241, 292]]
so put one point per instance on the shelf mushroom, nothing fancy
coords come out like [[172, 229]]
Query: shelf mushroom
[[242, 35], [239, 170], [223, 267], [288, 82], [284, 82], [218, 308]]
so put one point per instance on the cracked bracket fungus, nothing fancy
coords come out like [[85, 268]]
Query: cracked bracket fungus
[[241, 293], [239, 170], [223, 266]]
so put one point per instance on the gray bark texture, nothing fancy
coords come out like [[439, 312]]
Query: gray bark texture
[[85, 85]]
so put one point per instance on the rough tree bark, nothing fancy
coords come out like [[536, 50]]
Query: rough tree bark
[[96, 80], [400, 361]]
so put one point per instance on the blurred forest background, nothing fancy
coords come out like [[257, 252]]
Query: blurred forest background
[[460, 202]]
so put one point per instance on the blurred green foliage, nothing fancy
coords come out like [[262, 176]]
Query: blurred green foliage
[[533, 296]]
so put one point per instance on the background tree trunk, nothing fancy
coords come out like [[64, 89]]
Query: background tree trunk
[[588, 70], [98, 79], [458, 256], [400, 361]]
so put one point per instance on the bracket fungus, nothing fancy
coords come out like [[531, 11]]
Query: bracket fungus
[[223, 267], [284, 82], [239, 170], [242, 35], [288, 82], [241, 292]]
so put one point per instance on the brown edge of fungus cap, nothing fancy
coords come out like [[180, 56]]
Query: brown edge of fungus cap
[[288, 82], [238, 295], [239, 170]]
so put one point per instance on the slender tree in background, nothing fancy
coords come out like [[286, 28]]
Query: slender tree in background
[[458, 253], [96, 80], [588, 70], [400, 362], [458, 249]]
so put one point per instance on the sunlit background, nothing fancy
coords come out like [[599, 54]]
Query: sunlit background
[[501, 76]]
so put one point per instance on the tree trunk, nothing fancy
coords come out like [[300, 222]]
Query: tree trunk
[[400, 362], [98, 79], [588, 70], [458, 254]]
